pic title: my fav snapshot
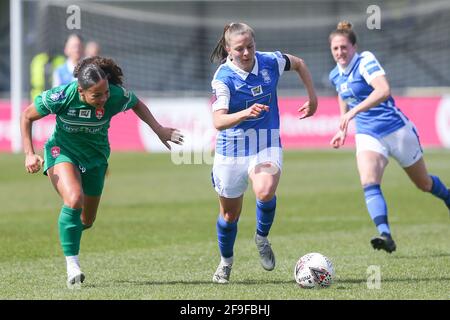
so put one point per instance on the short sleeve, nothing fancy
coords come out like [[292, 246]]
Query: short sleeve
[[121, 99], [221, 95], [51, 101], [332, 76], [281, 60], [129, 99], [369, 67]]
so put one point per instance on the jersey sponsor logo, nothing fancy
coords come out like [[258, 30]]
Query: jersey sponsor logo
[[266, 76], [57, 96], [73, 129], [99, 113], [256, 91], [85, 114], [265, 99], [55, 151], [72, 112]]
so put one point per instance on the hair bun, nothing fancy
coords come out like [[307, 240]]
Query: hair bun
[[344, 25]]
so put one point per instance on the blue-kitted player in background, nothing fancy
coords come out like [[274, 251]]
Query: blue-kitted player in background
[[382, 130], [74, 51]]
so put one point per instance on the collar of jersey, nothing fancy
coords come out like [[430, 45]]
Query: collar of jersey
[[347, 70], [243, 74]]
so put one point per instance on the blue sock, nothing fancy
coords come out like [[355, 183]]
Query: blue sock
[[439, 190], [376, 205], [265, 213], [226, 235]]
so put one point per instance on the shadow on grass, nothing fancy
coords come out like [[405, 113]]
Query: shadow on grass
[[339, 284], [412, 280], [197, 282], [436, 255]]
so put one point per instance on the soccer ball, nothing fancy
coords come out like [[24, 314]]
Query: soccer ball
[[314, 270]]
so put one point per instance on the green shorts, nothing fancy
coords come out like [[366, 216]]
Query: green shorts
[[92, 179]]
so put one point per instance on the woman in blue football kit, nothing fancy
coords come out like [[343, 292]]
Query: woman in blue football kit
[[248, 142], [382, 130]]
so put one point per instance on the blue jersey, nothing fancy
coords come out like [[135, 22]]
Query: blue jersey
[[236, 90], [63, 74], [353, 86]]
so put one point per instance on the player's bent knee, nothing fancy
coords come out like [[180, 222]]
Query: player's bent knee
[[424, 186], [87, 226], [88, 221], [369, 182], [230, 217], [265, 195], [74, 200]]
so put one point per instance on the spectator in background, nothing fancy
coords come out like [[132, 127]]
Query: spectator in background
[[73, 49], [91, 49], [42, 67]]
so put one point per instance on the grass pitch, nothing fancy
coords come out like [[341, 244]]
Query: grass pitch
[[155, 235]]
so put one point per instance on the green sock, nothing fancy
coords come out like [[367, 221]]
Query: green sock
[[70, 229]]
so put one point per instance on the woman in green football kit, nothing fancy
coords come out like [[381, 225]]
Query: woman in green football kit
[[76, 155]]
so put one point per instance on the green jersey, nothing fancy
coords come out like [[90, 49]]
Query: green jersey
[[82, 130]]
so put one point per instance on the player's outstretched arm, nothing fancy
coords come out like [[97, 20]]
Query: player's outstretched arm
[[165, 134], [310, 106], [33, 162]]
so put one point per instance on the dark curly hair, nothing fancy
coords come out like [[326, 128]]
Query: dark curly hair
[[90, 71]]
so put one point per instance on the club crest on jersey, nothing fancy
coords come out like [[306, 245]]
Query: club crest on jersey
[[99, 113], [85, 114], [344, 87], [55, 151], [266, 76], [256, 91]]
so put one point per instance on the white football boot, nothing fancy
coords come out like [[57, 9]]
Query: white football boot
[[222, 274], [75, 276], [266, 255]]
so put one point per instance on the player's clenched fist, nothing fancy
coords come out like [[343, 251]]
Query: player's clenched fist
[[255, 110], [33, 163]]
